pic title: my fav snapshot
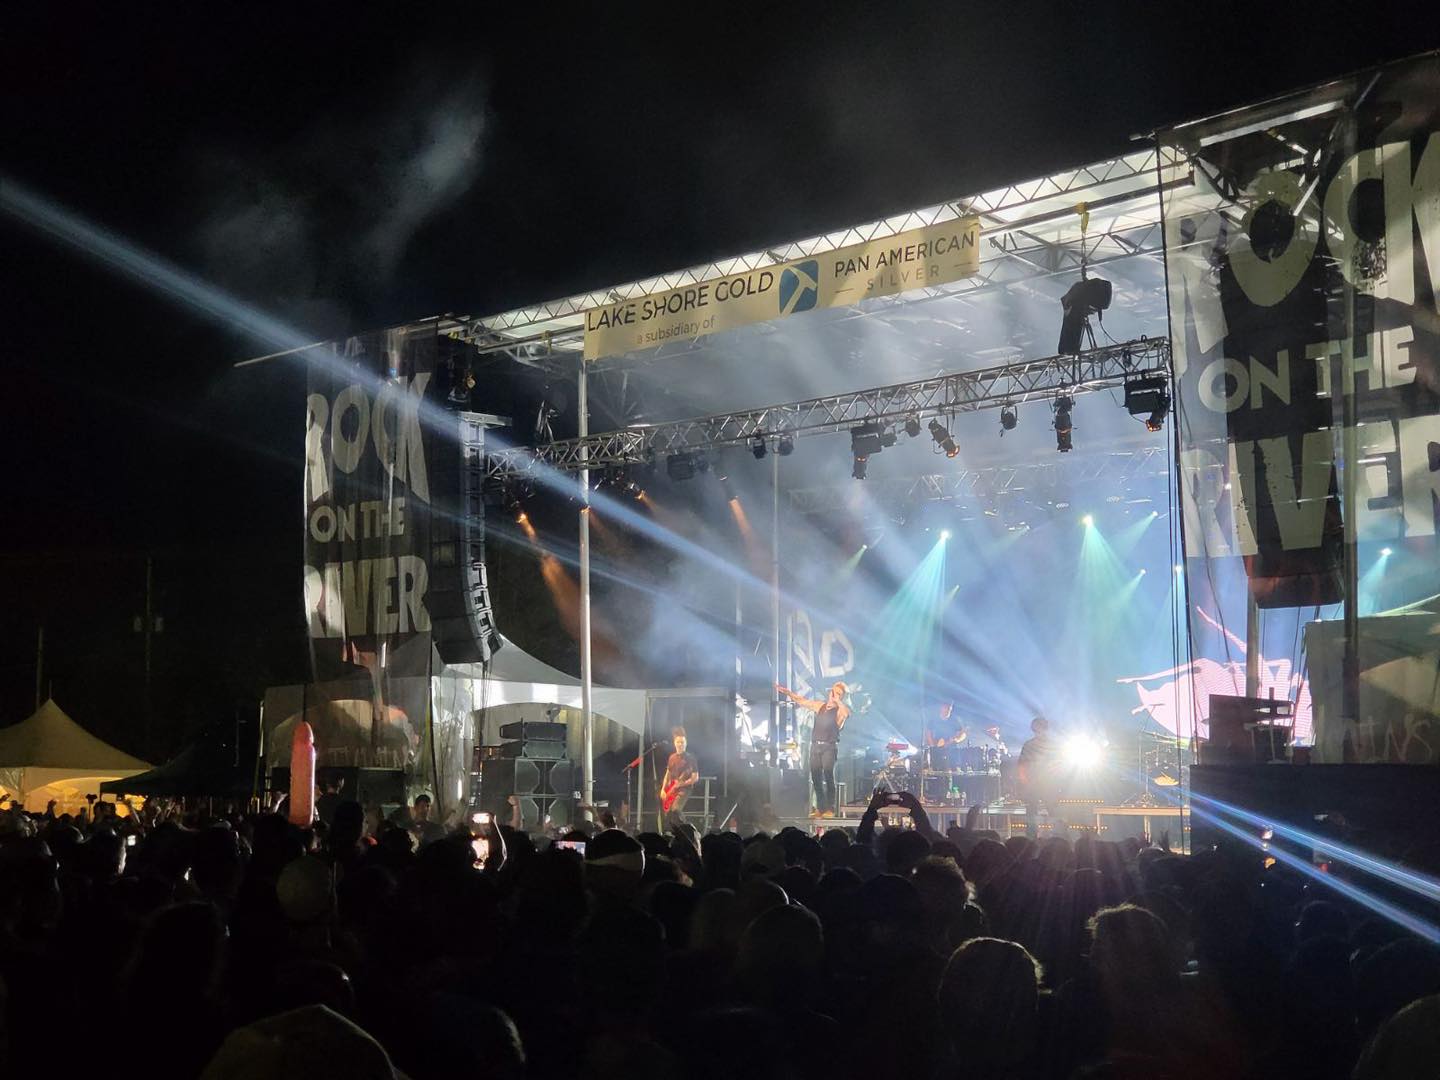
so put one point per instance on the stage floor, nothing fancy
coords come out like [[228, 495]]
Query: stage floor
[[1106, 822]]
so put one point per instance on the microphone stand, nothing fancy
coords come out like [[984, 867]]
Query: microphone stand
[[629, 776]]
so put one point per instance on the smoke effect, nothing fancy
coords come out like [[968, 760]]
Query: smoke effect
[[333, 211]]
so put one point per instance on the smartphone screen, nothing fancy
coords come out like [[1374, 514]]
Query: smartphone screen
[[577, 846], [892, 798], [130, 840], [480, 817], [481, 848]]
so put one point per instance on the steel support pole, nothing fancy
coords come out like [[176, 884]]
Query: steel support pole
[[774, 603], [587, 724], [1252, 643]]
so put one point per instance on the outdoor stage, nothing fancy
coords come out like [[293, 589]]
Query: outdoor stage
[[1009, 819]]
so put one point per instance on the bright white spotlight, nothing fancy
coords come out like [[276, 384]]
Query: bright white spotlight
[[1386, 551], [1088, 520], [945, 535], [1179, 569], [1143, 571], [1083, 751]]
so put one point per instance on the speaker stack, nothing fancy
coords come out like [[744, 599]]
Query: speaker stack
[[462, 620], [532, 766]]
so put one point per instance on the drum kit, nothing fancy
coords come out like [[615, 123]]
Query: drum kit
[[957, 772]]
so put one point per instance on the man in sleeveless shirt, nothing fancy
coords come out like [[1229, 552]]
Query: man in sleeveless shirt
[[830, 717]]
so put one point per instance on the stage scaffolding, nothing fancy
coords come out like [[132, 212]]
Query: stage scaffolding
[[1104, 368]]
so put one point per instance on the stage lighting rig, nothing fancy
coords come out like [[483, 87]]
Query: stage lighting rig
[[785, 446], [1148, 394], [757, 446], [941, 434], [870, 439], [861, 463], [1008, 419], [1088, 296], [912, 426], [1063, 425]]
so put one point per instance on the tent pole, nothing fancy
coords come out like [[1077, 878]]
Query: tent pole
[[587, 727]]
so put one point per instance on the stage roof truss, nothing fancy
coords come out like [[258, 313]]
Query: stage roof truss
[[993, 481], [945, 395], [1029, 230]]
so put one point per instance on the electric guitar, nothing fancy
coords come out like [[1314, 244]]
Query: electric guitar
[[671, 791]]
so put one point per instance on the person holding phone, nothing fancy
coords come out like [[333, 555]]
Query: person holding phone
[[830, 717]]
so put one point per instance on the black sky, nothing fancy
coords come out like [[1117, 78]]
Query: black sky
[[349, 166]]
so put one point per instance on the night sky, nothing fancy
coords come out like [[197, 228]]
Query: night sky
[[344, 167]]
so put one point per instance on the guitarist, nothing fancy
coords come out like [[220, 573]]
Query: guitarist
[[681, 772]]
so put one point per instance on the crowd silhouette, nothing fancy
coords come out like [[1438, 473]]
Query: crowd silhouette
[[230, 946]]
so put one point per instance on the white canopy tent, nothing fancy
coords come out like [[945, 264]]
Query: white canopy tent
[[49, 756], [514, 677]]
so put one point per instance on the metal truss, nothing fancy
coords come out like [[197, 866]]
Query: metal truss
[[996, 481], [945, 395], [1108, 183]]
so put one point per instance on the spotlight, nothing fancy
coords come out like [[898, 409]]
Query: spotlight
[[1088, 520], [1148, 394], [944, 534], [912, 426], [1088, 296], [1083, 752], [634, 490], [757, 446], [1008, 419], [785, 446], [941, 434], [857, 470], [1063, 425], [1386, 551], [680, 466], [870, 439]]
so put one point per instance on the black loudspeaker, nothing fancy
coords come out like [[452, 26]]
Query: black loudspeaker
[[532, 748], [537, 811], [537, 781], [462, 621], [534, 729]]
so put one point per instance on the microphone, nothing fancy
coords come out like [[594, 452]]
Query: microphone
[[641, 758]]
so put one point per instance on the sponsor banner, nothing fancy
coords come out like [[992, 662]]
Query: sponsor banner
[[933, 255]]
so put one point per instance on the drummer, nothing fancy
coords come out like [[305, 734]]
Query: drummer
[[948, 730]]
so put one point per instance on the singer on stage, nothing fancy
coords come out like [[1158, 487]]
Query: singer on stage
[[830, 717]]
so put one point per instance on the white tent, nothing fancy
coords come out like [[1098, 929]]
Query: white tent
[[49, 756], [514, 677]]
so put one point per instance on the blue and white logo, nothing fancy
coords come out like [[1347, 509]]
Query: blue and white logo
[[799, 287]]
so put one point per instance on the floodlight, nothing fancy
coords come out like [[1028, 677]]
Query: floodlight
[[941, 434], [1088, 296], [870, 439], [1063, 425], [1083, 752]]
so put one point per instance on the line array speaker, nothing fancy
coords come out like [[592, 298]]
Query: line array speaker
[[461, 617]]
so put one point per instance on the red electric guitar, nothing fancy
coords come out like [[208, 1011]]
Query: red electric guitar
[[671, 791]]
